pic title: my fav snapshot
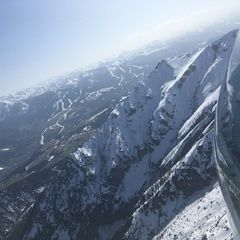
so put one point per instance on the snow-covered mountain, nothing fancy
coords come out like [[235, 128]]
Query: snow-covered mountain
[[93, 159]]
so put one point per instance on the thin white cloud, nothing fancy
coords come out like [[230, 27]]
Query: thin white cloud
[[174, 27]]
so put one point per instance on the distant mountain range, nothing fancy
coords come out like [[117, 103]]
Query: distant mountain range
[[119, 151]]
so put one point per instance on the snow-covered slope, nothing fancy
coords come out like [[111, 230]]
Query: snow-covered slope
[[40, 127], [149, 166], [204, 218], [64, 106]]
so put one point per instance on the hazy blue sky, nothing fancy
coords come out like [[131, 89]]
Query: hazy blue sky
[[42, 38]]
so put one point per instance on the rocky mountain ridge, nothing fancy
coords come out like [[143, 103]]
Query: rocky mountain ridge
[[144, 161]]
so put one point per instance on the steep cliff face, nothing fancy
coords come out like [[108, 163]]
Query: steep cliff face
[[150, 163], [40, 127]]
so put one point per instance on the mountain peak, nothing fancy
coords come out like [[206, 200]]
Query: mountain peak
[[133, 161], [163, 63]]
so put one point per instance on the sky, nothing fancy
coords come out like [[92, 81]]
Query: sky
[[44, 38]]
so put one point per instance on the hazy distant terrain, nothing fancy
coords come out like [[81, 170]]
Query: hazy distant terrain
[[120, 151]]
